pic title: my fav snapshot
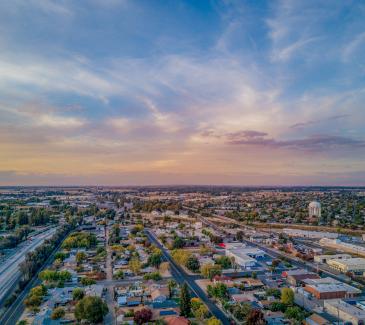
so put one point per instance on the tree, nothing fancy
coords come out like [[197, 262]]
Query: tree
[[287, 296], [22, 322], [273, 292], [40, 291], [255, 317], [180, 256], [33, 302], [185, 303], [209, 271], [241, 311], [80, 257], [87, 281], [171, 284], [202, 312], [295, 313], [142, 316], [278, 306], [224, 261], [135, 265], [240, 235], [78, 294], [178, 243], [92, 309], [58, 313], [156, 258], [218, 290], [213, 321], [193, 263]]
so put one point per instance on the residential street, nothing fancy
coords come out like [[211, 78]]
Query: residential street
[[110, 318], [181, 277]]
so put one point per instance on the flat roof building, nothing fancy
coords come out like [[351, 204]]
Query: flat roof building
[[325, 258], [342, 246], [309, 234], [240, 257], [329, 288], [355, 265], [345, 311]]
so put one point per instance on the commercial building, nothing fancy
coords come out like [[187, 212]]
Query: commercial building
[[309, 234], [344, 311], [354, 265], [329, 288], [241, 256], [324, 258], [342, 246]]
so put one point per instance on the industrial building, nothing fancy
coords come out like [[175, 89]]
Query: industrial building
[[354, 265], [324, 258], [342, 246], [309, 234], [344, 311], [329, 288], [244, 256]]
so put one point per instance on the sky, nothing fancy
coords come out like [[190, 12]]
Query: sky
[[155, 92]]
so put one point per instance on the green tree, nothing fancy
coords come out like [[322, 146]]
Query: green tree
[[91, 309], [224, 261], [178, 243], [80, 257], [87, 281], [155, 258], [58, 313], [295, 313], [185, 303], [171, 284], [273, 292], [287, 296], [78, 294], [193, 263]]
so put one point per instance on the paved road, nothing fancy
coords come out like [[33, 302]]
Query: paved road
[[109, 297], [9, 269], [181, 277], [14, 312]]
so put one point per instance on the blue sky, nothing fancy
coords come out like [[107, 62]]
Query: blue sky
[[166, 92]]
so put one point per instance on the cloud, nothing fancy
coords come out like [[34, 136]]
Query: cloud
[[351, 47], [285, 53], [311, 143], [311, 122]]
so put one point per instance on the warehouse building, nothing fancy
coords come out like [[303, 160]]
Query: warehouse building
[[324, 258], [244, 256], [342, 246], [345, 311], [354, 265], [309, 234], [329, 288]]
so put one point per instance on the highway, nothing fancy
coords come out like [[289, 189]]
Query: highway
[[180, 276], [9, 269]]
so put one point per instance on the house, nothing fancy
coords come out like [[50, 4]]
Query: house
[[95, 290], [176, 320], [160, 294], [133, 301], [122, 300], [316, 319], [274, 317]]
